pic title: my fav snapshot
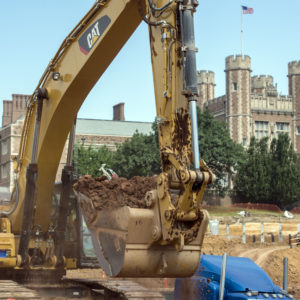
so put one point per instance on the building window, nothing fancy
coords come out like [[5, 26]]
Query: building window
[[282, 128], [244, 142], [261, 129], [4, 147], [3, 171], [298, 129], [234, 86]]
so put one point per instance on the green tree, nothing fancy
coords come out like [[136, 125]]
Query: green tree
[[285, 180], [253, 180], [269, 175], [217, 149], [138, 155], [89, 160]]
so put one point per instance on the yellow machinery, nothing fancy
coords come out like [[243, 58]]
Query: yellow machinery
[[163, 240]]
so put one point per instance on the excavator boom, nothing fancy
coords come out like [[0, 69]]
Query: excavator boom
[[165, 238]]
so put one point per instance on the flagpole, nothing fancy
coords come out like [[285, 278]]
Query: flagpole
[[242, 33]]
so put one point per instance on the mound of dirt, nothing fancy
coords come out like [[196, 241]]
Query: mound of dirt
[[273, 265], [117, 192]]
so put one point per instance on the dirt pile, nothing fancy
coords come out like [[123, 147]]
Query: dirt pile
[[273, 265], [117, 192]]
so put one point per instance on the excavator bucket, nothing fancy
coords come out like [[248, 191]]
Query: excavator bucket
[[121, 239]]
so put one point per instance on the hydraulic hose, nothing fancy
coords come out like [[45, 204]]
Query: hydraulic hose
[[154, 8]]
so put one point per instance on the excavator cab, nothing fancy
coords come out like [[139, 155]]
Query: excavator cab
[[78, 242]]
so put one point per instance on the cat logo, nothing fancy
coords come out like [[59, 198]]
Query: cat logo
[[93, 34]]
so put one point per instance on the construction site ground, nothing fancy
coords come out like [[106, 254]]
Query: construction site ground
[[268, 255]]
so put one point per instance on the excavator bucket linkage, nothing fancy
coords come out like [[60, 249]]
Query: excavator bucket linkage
[[124, 241]]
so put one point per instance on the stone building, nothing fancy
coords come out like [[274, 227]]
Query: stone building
[[88, 132], [252, 105]]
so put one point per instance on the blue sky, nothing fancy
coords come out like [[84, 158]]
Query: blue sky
[[32, 30]]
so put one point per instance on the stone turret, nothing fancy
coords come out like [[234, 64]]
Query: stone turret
[[206, 86], [263, 85], [294, 91], [238, 62], [294, 67], [262, 81], [238, 111]]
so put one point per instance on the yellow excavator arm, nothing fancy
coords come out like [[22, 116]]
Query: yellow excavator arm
[[165, 239]]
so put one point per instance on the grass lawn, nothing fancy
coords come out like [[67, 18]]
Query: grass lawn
[[233, 210]]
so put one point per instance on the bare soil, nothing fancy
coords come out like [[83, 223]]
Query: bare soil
[[254, 228], [117, 192], [269, 256]]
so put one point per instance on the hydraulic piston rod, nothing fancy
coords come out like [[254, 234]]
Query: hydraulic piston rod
[[190, 72], [195, 141]]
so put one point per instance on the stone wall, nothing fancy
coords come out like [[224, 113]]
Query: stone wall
[[217, 106]]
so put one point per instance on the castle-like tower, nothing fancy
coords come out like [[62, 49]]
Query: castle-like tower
[[252, 105], [294, 91], [264, 86], [206, 86], [238, 106]]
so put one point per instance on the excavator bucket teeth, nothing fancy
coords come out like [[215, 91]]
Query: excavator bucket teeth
[[122, 242]]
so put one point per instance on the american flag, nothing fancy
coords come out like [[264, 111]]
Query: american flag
[[247, 10]]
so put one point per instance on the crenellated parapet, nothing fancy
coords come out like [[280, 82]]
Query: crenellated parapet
[[207, 77], [262, 81], [294, 67], [281, 104], [238, 62], [206, 86]]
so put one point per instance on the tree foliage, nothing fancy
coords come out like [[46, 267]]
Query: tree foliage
[[285, 179], [269, 175], [217, 149], [89, 160], [137, 156], [252, 182]]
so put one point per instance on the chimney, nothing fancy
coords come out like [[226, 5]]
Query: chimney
[[119, 112], [7, 112]]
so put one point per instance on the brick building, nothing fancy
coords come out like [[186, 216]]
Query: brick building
[[252, 105], [88, 132]]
